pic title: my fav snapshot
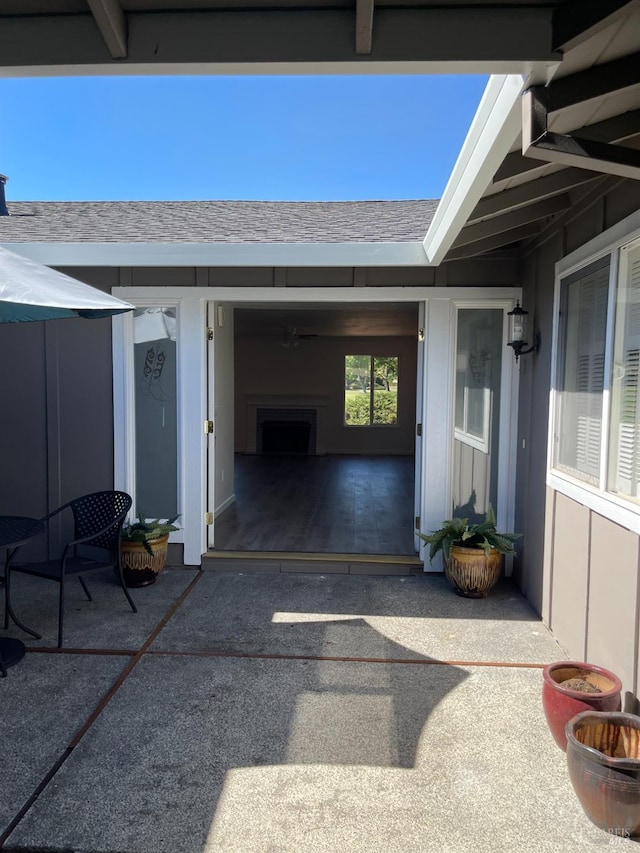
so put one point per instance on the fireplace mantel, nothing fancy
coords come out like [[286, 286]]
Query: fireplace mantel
[[285, 401]]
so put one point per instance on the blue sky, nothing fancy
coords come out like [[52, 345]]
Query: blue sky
[[263, 138]]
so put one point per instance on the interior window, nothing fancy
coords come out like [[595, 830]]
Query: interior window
[[370, 390]]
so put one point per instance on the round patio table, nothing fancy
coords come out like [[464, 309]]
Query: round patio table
[[15, 531]]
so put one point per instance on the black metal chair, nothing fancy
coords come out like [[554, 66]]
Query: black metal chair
[[98, 520]]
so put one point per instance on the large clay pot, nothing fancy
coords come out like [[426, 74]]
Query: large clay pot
[[139, 567], [561, 703], [471, 572], [603, 758]]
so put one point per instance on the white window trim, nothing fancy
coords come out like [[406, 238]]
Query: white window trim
[[596, 498]]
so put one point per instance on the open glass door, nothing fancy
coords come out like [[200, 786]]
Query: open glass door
[[220, 413], [421, 349], [210, 425], [476, 433]]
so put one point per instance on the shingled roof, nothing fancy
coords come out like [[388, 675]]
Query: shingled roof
[[217, 221]]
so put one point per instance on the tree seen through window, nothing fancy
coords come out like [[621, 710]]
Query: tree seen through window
[[370, 390]]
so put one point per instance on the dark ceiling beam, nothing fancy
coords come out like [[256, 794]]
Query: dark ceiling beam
[[540, 143], [496, 241], [112, 24], [506, 40], [364, 27], [595, 82], [622, 128], [544, 187], [578, 21], [508, 221]]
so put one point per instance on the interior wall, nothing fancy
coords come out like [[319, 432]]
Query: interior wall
[[315, 368], [563, 567]]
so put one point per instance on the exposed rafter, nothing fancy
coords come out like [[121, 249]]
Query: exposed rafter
[[508, 221], [112, 24], [595, 82], [364, 26], [575, 22], [541, 144], [533, 191], [495, 241], [622, 128]]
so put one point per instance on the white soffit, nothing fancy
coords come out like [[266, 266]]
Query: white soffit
[[493, 132]]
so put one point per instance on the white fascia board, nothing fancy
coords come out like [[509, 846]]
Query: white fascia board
[[224, 254], [360, 68], [494, 129]]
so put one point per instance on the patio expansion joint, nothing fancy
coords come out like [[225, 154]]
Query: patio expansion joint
[[343, 659], [102, 704]]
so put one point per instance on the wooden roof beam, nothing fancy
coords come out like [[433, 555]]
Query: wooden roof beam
[[112, 24], [533, 191], [364, 26], [495, 241], [618, 129], [567, 149], [508, 221], [574, 23]]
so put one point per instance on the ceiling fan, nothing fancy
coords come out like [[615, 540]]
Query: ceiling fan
[[292, 337]]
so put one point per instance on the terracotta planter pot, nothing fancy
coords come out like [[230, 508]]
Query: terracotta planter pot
[[139, 567], [561, 703], [603, 758], [471, 572]]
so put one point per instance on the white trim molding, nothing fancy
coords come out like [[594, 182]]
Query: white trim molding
[[390, 254]]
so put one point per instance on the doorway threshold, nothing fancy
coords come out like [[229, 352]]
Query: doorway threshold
[[312, 563]]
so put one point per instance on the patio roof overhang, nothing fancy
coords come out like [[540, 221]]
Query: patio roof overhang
[[292, 36], [537, 148]]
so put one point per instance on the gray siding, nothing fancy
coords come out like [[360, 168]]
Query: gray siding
[[579, 570]]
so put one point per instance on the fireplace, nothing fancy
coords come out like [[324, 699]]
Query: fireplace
[[286, 431]]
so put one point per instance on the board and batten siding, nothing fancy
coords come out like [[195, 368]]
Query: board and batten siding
[[578, 569]]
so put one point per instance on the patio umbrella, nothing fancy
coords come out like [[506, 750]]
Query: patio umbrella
[[32, 291]]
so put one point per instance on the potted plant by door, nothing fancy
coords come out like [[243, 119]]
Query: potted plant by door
[[143, 549], [473, 553]]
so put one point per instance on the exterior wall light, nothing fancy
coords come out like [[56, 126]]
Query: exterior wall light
[[518, 333]]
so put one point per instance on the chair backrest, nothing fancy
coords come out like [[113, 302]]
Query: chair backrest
[[92, 513]]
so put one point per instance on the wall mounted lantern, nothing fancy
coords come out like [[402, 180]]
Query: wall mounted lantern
[[518, 333]]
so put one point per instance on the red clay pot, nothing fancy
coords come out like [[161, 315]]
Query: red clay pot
[[603, 759], [561, 703]]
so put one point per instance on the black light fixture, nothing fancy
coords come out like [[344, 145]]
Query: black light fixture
[[518, 332]]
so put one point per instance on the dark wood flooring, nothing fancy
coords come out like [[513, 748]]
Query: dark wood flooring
[[321, 504]]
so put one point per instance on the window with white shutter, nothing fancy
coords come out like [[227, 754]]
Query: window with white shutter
[[580, 376], [624, 460]]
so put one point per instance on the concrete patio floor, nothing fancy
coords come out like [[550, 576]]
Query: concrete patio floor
[[283, 712]]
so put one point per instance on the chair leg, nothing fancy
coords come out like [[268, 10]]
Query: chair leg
[[85, 587], [124, 587], [61, 611]]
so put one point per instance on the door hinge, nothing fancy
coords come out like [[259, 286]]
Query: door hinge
[[417, 522], [418, 429], [208, 518], [209, 334], [208, 427], [420, 334]]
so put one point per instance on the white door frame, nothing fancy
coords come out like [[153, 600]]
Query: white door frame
[[441, 304]]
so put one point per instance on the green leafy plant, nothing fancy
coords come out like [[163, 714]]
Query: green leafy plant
[[458, 531], [146, 531]]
